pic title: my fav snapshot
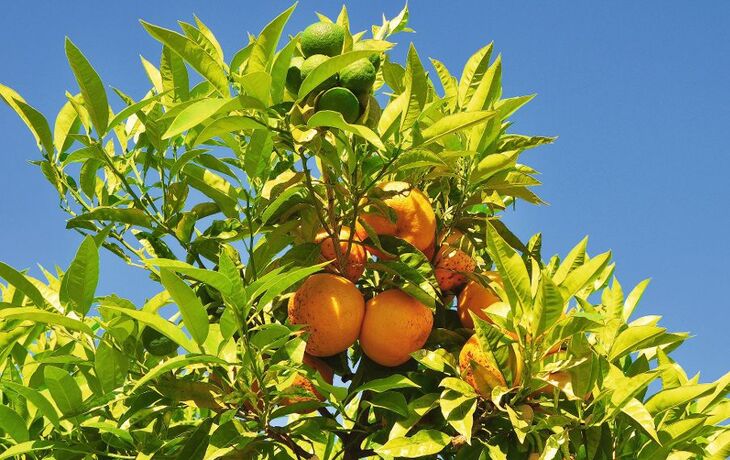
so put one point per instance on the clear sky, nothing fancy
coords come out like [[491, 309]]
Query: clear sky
[[637, 91]]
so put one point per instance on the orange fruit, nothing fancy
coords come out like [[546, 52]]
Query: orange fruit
[[332, 309], [355, 261], [478, 370], [450, 264], [415, 220], [476, 298], [302, 383], [395, 326], [561, 380]]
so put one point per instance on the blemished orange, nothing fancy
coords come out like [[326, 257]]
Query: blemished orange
[[355, 265], [451, 263], [415, 220], [332, 309], [476, 298], [303, 384], [478, 370], [395, 326]]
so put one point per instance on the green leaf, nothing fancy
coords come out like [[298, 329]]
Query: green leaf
[[634, 339], [39, 126], [575, 258], [128, 216], [416, 410], [511, 267], [225, 125], [639, 413], [217, 50], [673, 397], [416, 89], [111, 366], [44, 406], [13, 424], [392, 382], [296, 192], [448, 82], [66, 124], [584, 275], [174, 363], [174, 77], [454, 123], [197, 442], [548, 307], [458, 410], [92, 88], [214, 279], [80, 280], [493, 164], [419, 159], [425, 442], [488, 89], [134, 108], [25, 448], [262, 54], [64, 389], [193, 312], [45, 317], [257, 156], [213, 186], [335, 120], [194, 114], [327, 69], [195, 55], [31, 117], [392, 401], [633, 299], [273, 284], [162, 326], [280, 69], [22, 284], [473, 73], [438, 360]]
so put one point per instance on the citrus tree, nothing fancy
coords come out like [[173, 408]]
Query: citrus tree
[[334, 277]]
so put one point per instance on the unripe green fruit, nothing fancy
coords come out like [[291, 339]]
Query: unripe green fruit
[[340, 100], [312, 63], [322, 38], [157, 344], [375, 61], [294, 75], [358, 77]]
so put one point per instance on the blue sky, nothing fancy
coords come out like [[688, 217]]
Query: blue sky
[[637, 91]]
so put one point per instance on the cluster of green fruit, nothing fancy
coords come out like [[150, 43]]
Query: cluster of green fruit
[[346, 92]]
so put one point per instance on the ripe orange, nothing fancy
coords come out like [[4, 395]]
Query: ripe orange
[[415, 220], [395, 326], [478, 370], [450, 264], [302, 383], [332, 308], [476, 298], [356, 260]]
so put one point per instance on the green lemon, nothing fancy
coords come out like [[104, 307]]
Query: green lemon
[[294, 74], [322, 38], [374, 58], [156, 343], [340, 100], [358, 77], [311, 63]]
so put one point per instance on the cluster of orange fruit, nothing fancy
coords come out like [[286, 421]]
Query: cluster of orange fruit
[[392, 324]]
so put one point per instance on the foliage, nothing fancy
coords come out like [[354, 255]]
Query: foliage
[[216, 182]]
